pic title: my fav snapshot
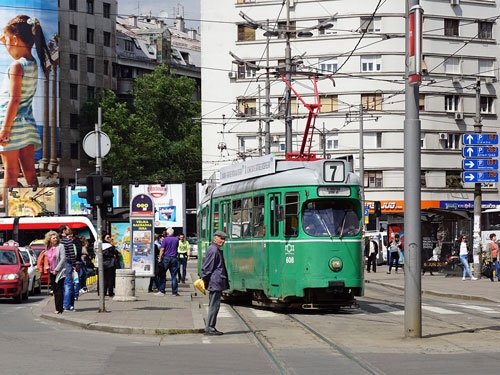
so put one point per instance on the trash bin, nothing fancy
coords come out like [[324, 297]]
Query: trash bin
[[125, 285]]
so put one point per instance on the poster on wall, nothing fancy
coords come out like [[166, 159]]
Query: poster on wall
[[79, 206], [142, 236], [29, 202], [169, 201], [120, 235], [27, 133]]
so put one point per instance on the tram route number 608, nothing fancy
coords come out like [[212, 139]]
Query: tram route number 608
[[333, 171]]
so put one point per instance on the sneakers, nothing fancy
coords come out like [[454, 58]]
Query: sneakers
[[176, 295], [213, 333], [71, 308], [473, 278], [463, 278], [159, 294]]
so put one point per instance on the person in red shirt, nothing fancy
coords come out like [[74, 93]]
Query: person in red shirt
[[492, 255]]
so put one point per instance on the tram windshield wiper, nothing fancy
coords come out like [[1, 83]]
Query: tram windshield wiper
[[341, 234], [325, 225]]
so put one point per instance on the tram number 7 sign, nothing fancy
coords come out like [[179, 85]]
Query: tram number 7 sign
[[333, 171]]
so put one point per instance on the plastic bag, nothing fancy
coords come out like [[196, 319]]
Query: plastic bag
[[200, 285], [76, 278]]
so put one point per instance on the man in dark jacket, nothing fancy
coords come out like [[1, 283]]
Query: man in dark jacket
[[214, 274], [371, 251]]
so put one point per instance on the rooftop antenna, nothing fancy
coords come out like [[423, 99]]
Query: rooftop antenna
[[138, 8]]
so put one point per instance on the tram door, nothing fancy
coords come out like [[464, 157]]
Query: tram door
[[274, 244]]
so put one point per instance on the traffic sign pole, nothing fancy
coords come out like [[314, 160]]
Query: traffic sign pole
[[98, 169], [477, 189]]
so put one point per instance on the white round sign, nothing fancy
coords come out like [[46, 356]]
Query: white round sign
[[90, 144]]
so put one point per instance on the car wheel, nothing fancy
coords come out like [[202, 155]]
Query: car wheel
[[19, 298], [26, 294], [32, 291]]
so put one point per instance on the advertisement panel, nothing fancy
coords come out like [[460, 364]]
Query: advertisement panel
[[142, 246], [120, 235], [25, 140], [29, 202], [169, 201], [79, 206]]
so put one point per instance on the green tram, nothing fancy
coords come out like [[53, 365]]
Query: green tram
[[294, 235]]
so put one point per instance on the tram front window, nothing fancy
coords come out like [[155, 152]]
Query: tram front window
[[332, 218]]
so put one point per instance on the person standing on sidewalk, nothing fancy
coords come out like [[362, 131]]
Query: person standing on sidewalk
[[168, 256], [183, 254], [214, 275], [69, 251], [371, 251], [464, 256], [492, 255], [394, 249], [57, 268]]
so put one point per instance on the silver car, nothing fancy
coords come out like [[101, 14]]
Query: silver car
[[35, 284], [193, 247]]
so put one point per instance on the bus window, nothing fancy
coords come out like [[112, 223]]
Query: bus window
[[291, 215], [236, 219], [258, 216], [246, 218]]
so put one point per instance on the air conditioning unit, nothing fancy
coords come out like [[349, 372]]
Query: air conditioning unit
[[443, 136], [275, 139], [232, 75], [454, 2], [459, 116]]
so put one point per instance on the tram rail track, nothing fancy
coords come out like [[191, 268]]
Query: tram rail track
[[269, 349]]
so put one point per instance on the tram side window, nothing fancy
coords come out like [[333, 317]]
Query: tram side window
[[246, 218], [274, 229], [291, 215], [258, 216], [216, 216], [203, 224], [236, 219]]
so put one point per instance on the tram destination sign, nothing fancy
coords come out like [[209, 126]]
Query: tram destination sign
[[480, 152], [480, 139], [480, 164], [480, 177]]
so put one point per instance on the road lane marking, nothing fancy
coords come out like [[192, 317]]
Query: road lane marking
[[482, 309], [439, 310], [388, 309], [264, 314]]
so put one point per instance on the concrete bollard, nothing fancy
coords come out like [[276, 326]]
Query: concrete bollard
[[125, 286]]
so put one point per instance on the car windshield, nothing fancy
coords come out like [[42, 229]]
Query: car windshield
[[25, 256], [8, 258], [330, 218], [38, 252]]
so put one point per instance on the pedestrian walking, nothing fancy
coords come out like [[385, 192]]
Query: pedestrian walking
[[57, 268], [168, 258], [492, 256], [183, 255], [371, 251], [464, 256], [394, 249], [214, 275], [70, 253]]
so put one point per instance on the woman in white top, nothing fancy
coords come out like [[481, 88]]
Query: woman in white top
[[464, 256]]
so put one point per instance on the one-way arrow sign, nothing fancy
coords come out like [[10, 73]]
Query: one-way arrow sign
[[480, 164], [480, 177], [480, 139], [480, 152]]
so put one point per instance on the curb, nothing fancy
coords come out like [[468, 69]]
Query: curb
[[437, 294]]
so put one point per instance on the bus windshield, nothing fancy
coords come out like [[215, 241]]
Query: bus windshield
[[332, 218], [490, 220]]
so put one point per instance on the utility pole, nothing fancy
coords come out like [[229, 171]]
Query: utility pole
[[362, 160], [260, 127], [412, 191], [288, 64], [324, 141], [268, 97], [98, 169], [477, 190]]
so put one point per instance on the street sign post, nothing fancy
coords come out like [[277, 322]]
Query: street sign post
[[480, 139], [480, 164], [480, 151], [480, 177]]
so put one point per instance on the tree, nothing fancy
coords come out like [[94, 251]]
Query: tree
[[158, 138]]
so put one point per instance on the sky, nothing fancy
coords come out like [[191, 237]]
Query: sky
[[191, 8]]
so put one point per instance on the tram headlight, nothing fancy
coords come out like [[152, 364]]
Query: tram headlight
[[334, 191], [335, 264]]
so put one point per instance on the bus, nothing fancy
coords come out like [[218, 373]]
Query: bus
[[490, 223], [294, 234], [25, 230]]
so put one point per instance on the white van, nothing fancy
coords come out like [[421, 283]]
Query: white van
[[382, 241]]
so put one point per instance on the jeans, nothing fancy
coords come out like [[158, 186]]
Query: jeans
[[69, 288], [182, 268], [172, 264], [394, 257], [496, 266], [465, 261]]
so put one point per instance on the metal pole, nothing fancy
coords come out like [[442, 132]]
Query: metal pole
[[412, 230], [268, 99], [98, 169], [477, 191], [362, 160], [324, 141], [288, 62], [260, 127]]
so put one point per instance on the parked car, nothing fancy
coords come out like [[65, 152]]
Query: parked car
[[38, 246], [193, 247], [14, 276], [35, 284]]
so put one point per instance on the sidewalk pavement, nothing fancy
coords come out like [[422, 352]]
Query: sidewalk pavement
[[153, 315], [440, 285]]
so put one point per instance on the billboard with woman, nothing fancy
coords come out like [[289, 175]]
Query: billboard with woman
[[28, 92]]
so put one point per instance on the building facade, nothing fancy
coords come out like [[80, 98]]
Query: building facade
[[363, 51]]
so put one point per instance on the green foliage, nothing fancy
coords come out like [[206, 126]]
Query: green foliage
[[157, 139]]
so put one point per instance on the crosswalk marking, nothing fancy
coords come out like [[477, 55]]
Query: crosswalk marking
[[482, 309], [264, 314], [224, 313], [387, 308], [439, 310]]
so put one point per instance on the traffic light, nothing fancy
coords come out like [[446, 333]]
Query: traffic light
[[377, 208], [99, 190], [107, 192], [89, 194]]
